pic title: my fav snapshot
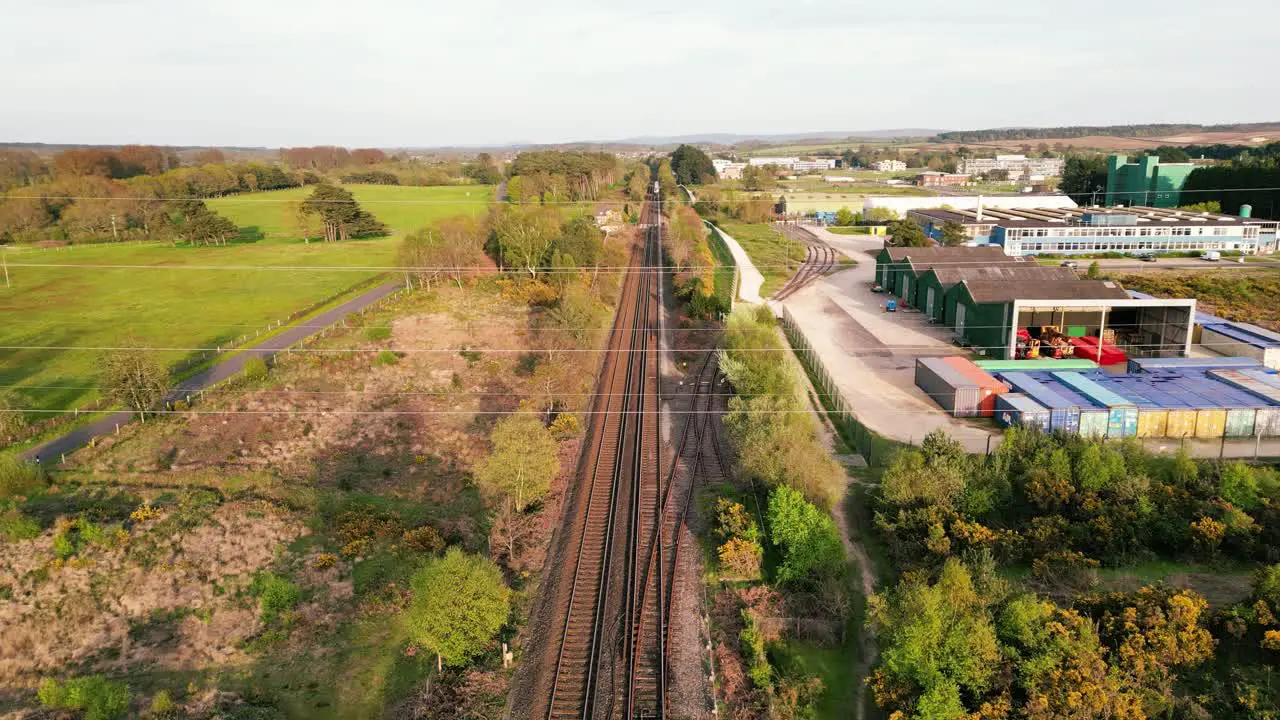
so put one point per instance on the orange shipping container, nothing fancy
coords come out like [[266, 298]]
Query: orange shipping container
[[988, 386]]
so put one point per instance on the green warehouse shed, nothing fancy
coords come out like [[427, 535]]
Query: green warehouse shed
[[1146, 181], [899, 269], [933, 285]]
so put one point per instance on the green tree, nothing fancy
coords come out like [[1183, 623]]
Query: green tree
[[638, 182], [522, 464], [581, 240], [807, 537], [692, 166], [459, 603], [1095, 270], [525, 236], [904, 233], [198, 225], [1083, 176], [757, 177], [343, 218], [953, 234], [937, 641], [845, 217], [1212, 206], [666, 180], [134, 379]]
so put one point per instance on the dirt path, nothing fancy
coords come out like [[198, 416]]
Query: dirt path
[[866, 570]]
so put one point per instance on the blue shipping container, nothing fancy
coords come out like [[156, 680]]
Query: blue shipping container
[[1122, 414], [1063, 414], [1018, 409]]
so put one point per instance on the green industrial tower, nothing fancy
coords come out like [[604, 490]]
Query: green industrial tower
[[1146, 182]]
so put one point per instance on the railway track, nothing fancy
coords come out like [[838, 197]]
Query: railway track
[[613, 623], [819, 259]]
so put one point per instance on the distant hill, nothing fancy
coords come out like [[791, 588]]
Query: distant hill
[[1077, 131], [735, 138]]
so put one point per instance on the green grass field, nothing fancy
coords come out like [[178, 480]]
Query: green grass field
[[774, 255], [159, 305], [402, 208]]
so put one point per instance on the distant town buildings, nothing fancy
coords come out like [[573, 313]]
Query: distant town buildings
[[1019, 167], [1147, 181], [888, 166], [785, 162], [796, 164], [727, 169]]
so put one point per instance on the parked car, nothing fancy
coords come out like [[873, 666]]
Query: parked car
[[1071, 264], [1148, 258]]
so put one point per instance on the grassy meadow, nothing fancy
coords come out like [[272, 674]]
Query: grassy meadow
[[173, 301], [402, 208], [775, 255]]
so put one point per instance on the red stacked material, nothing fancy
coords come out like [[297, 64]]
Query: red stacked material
[[988, 386], [1087, 348]]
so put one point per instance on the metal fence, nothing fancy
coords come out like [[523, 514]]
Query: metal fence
[[877, 450]]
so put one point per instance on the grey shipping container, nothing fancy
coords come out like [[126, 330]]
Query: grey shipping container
[[1064, 415], [1018, 409], [1138, 365], [946, 386]]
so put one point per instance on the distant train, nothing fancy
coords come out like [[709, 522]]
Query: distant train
[[655, 187]]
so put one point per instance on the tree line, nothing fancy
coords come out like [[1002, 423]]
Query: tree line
[[1061, 508], [558, 176]]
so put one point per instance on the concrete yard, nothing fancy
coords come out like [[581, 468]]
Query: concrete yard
[[871, 353]]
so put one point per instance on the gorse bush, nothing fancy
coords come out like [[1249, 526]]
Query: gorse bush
[[276, 595], [99, 698]]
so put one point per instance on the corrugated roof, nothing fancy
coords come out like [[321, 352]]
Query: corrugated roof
[[936, 254], [949, 276], [987, 291]]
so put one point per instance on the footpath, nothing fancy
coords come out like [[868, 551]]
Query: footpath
[[750, 279], [53, 450]]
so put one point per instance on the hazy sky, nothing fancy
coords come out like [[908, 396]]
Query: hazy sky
[[429, 72]]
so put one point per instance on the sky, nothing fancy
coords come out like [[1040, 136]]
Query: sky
[[422, 73]]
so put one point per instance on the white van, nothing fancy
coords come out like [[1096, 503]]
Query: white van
[[1211, 255]]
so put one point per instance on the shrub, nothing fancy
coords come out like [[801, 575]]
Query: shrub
[[459, 603], [255, 369], [386, 357], [377, 333], [565, 425], [162, 704], [424, 539], [740, 558], [144, 513], [99, 698], [63, 546], [15, 526], [19, 478], [276, 594], [324, 561], [807, 536]]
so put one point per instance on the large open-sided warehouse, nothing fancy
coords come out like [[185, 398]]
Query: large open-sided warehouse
[[1004, 308]]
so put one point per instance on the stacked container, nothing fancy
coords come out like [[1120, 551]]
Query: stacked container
[[1094, 418], [988, 386], [1122, 413], [1033, 365], [1018, 409], [947, 386], [1153, 417], [1064, 415], [1140, 365]]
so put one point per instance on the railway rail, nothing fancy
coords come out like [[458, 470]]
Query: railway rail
[[819, 259], [613, 621]]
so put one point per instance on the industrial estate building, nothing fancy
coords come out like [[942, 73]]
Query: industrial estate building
[[1147, 181], [1074, 230], [900, 205], [888, 166], [933, 178], [727, 169], [1019, 167], [990, 301]]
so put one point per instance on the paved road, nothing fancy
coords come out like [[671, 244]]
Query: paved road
[[1177, 264], [53, 450]]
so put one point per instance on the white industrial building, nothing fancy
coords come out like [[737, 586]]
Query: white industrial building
[[902, 205], [779, 161], [727, 169], [1018, 166], [888, 166]]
